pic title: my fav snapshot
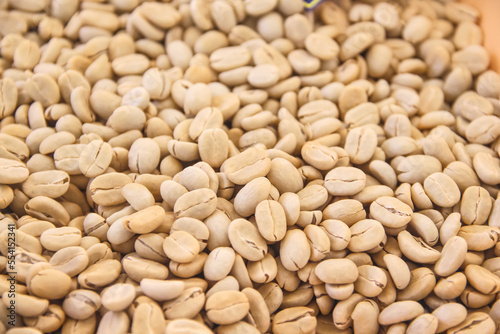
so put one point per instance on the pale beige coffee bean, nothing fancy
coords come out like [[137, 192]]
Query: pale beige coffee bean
[[366, 234], [474, 57], [58, 238], [271, 220], [319, 156], [247, 165], [337, 271], [312, 197], [487, 84], [482, 279], [259, 7], [179, 326], [487, 167], [181, 247], [479, 237], [417, 29], [227, 307], [390, 212], [81, 304], [210, 41], [35, 228], [162, 290], [150, 246], [462, 174], [144, 156], [171, 191], [67, 157], [365, 317], [125, 118], [398, 269], [179, 53], [383, 172], [363, 114], [297, 28], [51, 143], [425, 227], [321, 46], [475, 299], [337, 232], [228, 58], [371, 281], [145, 220], [291, 204], [49, 284], [193, 226], [95, 158], [219, 263], [138, 268], [345, 181], [213, 147], [343, 310], [360, 144], [400, 311], [51, 183], [475, 321], [9, 96], [132, 64], [452, 256], [100, 274], [197, 97], [254, 192], [294, 250], [147, 317], [26, 55], [450, 227], [303, 62], [45, 208], [117, 233], [239, 326], [483, 130], [263, 76], [23, 241], [43, 88], [259, 311], [285, 176], [316, 110], [70, 260], [138, 196], [26, 305], [442, 190], [246, 240], [355, 44], [118, 297], [449, 315], [51, 320], [425, 323], [113, 321], [416, 249], [106, 189], [378, 59], [348, 211], [15, 149], [187, 305], [475, 206], [227, 283], [294, 319], [199, 204]]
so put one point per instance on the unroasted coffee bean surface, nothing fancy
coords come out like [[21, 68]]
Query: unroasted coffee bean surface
[[247, 166]]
